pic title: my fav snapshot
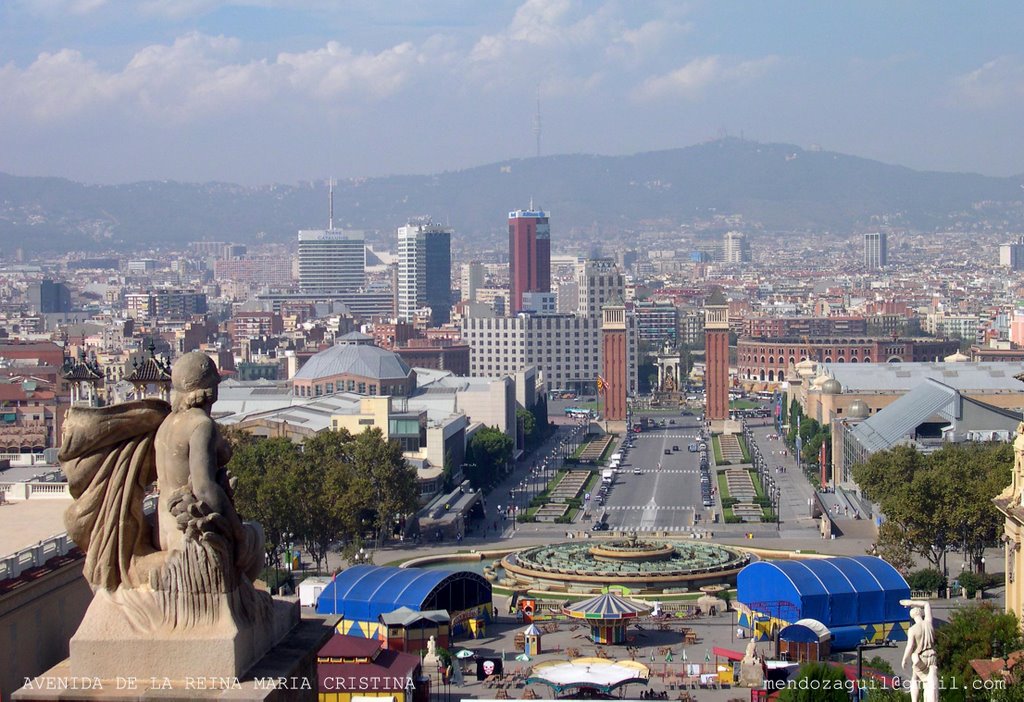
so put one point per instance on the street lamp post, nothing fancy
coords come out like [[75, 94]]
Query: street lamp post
[[778, 508]]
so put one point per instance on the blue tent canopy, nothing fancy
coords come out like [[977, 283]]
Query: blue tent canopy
[[364, 592], [849, 591]]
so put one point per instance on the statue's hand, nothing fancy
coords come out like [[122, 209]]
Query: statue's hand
[[227, 482]]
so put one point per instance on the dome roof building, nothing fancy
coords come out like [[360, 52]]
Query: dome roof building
[[858, 410], [354, 365], [831, 387]]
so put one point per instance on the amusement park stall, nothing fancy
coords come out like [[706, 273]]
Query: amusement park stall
[[362, 593], [854, 598]]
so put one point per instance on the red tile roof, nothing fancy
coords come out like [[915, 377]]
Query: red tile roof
[[343, 646], [391, 671]]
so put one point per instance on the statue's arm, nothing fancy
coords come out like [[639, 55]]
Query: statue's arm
[[203, 466], [926, 608]]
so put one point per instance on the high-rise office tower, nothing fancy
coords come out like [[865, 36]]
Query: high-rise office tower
[[529, 254], [472, 280], [331, 260], [1012, 255], [49, 296], [876, 250], [425, 270], [736, 248], [599, 281]]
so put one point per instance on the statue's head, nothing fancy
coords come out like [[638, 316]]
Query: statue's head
[[194, 380], [916, 614]]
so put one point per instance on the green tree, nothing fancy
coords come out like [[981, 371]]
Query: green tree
[[488, 454], [529, 423], [975, 631], [263, 468], [893, 547], [389, 490], [817, 682], [540, 417], [320, 486], [1013, 691], [938, 501]]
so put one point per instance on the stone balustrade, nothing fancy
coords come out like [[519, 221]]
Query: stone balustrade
[[16, 491], [34, 556]]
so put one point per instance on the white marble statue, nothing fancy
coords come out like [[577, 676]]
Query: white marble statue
[[920, 651]]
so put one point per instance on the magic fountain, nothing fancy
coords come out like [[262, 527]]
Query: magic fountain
[[589, 566]]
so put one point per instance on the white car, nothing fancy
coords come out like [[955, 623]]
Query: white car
[[637, 471]]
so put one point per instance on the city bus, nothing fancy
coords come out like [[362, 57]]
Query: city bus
[[578, 412]]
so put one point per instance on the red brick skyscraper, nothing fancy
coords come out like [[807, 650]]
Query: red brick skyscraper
[[614, 360], [529, 255], [716, 357]]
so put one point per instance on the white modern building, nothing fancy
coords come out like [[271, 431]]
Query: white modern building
[[736, 248], [600, 281], [331, 260], [472, 280], [565, 348], [424, 270]]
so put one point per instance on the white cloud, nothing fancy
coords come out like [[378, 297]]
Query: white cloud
[[176, 9], [196, 76], [53, 9], [994, 84], [558, 26], [691, 80], [336, 70], [648, 38]]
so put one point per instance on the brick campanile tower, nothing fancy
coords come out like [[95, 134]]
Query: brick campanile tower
[[716, 357], [614, 360]]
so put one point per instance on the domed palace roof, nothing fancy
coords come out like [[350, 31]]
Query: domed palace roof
[[355, 357], [956, 358], [831, 387], [858, 409]]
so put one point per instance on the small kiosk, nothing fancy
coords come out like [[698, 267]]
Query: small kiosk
[[531, 640]]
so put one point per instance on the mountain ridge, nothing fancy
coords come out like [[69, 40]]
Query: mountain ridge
[[777, 187]]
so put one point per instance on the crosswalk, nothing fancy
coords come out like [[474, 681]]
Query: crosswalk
[[669, 436], [666, 508], [673, 528], [662, 471]]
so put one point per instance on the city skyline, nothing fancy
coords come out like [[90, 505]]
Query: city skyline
[[257, 92]]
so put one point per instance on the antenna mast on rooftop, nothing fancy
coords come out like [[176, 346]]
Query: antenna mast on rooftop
[[330, 195]]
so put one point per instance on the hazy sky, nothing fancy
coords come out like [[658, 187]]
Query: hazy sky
[[261, 91]]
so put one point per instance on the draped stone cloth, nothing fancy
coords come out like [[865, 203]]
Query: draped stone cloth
[[109, 459]]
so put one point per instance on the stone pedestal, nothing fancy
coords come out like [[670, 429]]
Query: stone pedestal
[[286, 673], [107, 647], [751, 675]]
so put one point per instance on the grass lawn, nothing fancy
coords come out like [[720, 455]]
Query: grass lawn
[[609, 450], [757, 484], [743, 448], [723, 493], [743, 404], [582, 446], [717, 447]]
